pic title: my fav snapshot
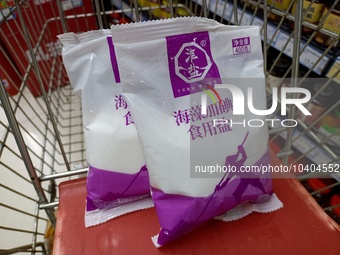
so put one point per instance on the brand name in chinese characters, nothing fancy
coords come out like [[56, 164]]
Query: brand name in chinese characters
[[199, 128], [120, 103]]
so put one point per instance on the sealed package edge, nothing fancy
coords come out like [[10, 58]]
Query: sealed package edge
[[117, 180], [166, 68]]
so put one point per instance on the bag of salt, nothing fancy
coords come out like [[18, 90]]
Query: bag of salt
[[117, 181], [166, 67]]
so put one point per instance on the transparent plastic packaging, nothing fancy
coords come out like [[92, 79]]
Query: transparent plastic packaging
[[165, 67], [117, 181]]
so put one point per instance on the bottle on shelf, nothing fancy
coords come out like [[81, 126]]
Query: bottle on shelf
[[335, 212], [312, 11], [331, 23], [282, 5], [316, 184]]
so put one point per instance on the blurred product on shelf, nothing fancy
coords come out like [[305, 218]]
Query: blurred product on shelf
[[8, 73], [119, 18], [181, 12], [312, 11], [334, 213], [161, 9], [329, 125], [319, 105], [6, 6], [154, 5], [282, 5], [331, 23], [316, 184]]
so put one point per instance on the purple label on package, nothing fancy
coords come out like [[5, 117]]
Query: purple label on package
[[241, 45], [190, 63]]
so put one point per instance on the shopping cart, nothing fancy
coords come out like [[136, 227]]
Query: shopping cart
[[42, 140]]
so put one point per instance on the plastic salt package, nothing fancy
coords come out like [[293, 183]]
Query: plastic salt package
[[117, 180], [171, 72]]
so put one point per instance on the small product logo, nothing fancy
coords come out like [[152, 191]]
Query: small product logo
[[190, 63], [241, 45]]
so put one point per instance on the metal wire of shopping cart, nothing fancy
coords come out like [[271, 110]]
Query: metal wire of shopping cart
[[42, 134]]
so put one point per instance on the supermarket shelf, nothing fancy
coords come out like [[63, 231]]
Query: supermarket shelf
[[309, 56], [334, 71]]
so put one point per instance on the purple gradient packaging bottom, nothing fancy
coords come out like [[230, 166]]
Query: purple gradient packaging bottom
[[187, 213], [127, 188]]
